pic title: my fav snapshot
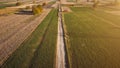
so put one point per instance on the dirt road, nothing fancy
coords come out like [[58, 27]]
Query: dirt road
[[60, 58]]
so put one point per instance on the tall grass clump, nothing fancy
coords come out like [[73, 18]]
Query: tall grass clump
[[27, 7], [37, 9], [18, 3]]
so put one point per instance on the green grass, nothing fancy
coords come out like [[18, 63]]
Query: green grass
[[3, 5], [45, 54], [41, 43], [2, 2], [94, 43], [52, 2]]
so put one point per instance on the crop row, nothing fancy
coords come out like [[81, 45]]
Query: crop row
[[10, 26], [93, 38]]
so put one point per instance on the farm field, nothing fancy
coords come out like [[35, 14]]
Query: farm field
[[10, 25], [39, 48], [4, 5], [10, 30], [15, 31], [60, 34], [93, 38]]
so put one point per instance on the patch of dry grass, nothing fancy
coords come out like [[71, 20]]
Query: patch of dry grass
[[7, 11]]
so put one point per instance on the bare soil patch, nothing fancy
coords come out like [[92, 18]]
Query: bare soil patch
[[7, 11], [66, 9], [114, 12]]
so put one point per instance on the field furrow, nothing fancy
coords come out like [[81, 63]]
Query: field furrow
[[12, 27]]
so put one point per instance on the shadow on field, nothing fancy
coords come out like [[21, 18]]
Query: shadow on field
[[24, 12]]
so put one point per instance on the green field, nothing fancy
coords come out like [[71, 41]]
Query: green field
[[4, 5], [2, 2], [39, 48], [94, 38]]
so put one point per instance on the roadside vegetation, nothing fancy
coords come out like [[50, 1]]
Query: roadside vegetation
[[52, 2], [2, 2], [19, 3], [37, 9], [93, 38], [44, 57], [40, 46]]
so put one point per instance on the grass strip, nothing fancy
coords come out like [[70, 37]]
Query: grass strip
[[44, 56], [2, 6]]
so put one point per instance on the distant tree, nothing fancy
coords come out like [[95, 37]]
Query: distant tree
[[34, 1], [18, 3], [37, 9]]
